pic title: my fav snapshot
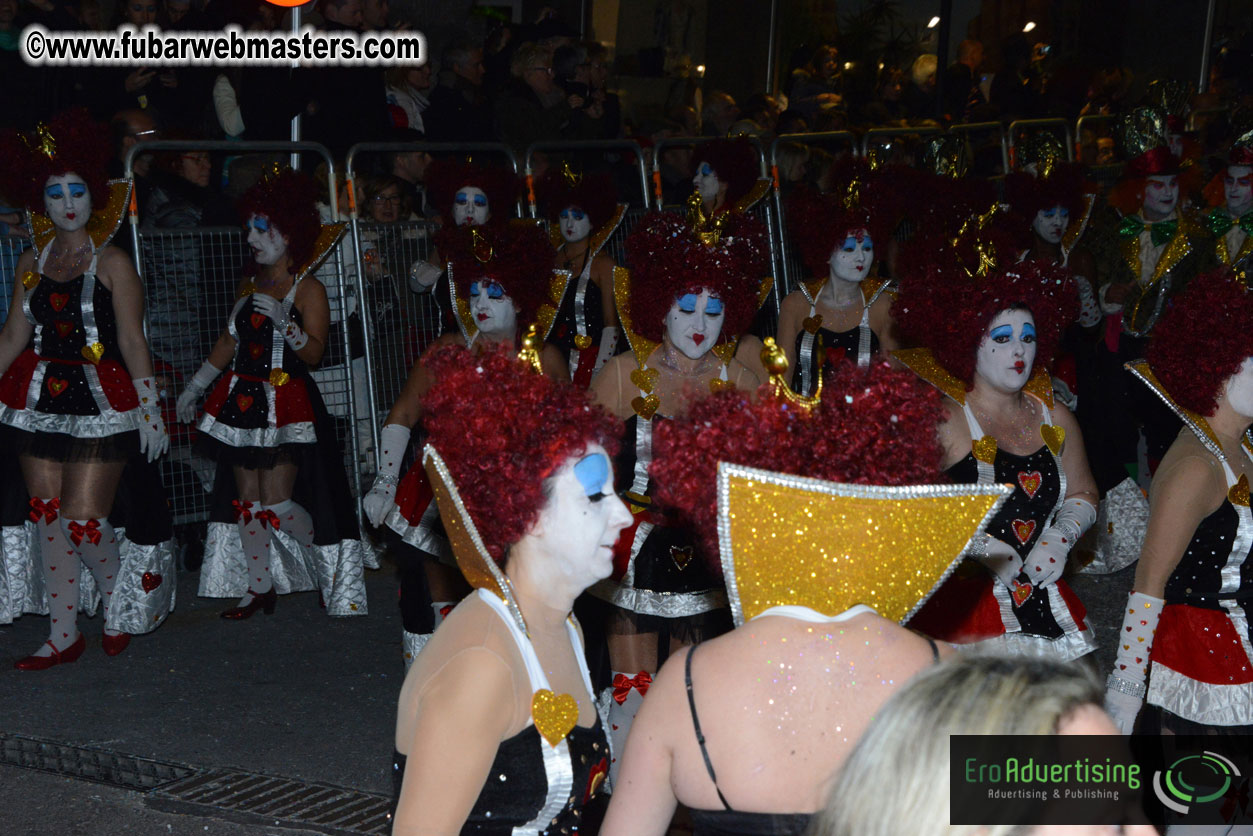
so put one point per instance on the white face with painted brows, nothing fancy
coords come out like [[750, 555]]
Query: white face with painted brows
[[1050, 224], [67, 201], [267, 243], [470, 206], [1007, 353], [852, 259]]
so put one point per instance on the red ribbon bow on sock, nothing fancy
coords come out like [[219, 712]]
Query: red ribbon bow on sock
[[91, 531], [242, 511], [268, 517], [622, 685], [47, 510]]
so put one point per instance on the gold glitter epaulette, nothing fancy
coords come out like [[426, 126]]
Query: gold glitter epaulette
[[328, 237], [759, 189], [641, 346], [790, 540], [922, 362], [101, 227], [1197, 423]]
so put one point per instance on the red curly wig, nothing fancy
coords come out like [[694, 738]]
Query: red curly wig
[[947, 311], [875, 426], [289, 200], [594, 193], [503, 430], [78, 145], [734, 161], [1202, 339], [667, 261], [516, 255], [445, 177], [822, 222], [1029, 195]]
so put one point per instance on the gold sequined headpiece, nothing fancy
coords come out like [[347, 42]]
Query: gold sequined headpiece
[[985, 249], [1043, 150], [45, 143], [828, 546], [706, 229], [572, 177], [947, 155]]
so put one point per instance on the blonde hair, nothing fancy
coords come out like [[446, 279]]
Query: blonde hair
[[906, 747]]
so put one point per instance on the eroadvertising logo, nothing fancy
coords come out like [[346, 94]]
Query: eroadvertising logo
[[1034, 780]]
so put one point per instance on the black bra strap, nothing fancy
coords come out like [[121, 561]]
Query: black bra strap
[[700, 737], [935, 651]]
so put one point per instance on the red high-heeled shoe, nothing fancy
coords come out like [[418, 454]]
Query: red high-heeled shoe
[[63, 657], [265, 601], [113, 645]]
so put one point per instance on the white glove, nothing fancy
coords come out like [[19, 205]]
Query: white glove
[[1125, 687], [1089, 307], [393, 441], [1047, 560], [423, 275], [999, 557], [271, 307], [185, 407], [608, 346], [153, 439]]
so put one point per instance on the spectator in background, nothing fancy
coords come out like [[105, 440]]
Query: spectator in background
[[764, 110], [344, 103], [791, 122], [406, 89], [1012, 95], [888, 107], [598, 77], [719, 114], [962, 94], [572, 69], [458, 111], [409, 167], [820, 86], [792, 159], [533, 108], [374, 17], [919, 96]]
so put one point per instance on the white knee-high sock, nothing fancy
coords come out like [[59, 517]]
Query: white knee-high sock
[[626, 697], [254, 537], [293, 519], [98, 549], [60, 567]]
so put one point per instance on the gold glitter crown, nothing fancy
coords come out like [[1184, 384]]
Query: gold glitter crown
[[1140, 131], [1043, 150], [572, 177], [985, 249], [827, 546], [1170, 95], [44, 143], [467, 545], [947, 155], [707, 230]]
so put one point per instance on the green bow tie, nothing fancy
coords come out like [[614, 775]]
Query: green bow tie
[[1220, 223], [1160, 232]]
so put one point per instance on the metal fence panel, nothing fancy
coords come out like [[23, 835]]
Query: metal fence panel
[[11, 248]]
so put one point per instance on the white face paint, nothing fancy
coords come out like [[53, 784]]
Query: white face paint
[[1161, 194], [1175, 142], [1239, 389], [580, 523], [470, 206], [267, 243], [694, 323], [1007, 352], [575, 224], [1050, 224], [852, 259], [67, 201], [492, 308], [1238, 186], [706, 183]]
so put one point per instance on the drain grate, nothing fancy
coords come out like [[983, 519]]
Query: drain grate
[[96, 765], [209, 792], [293, 803]]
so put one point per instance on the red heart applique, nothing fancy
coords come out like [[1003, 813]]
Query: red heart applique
[[255, 349], [1022, 591], [836, 355], [245, 401], [257, 320], [58, 300], [1030, 482], [1023, 529], [150, 581], [56, 386], [63, 328]]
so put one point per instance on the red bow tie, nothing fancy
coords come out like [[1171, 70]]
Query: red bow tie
[[622, 685], [91, 531], [243, 511], [268, 517], [47, 510]]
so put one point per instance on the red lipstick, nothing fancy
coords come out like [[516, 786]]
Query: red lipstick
[[698, 338]]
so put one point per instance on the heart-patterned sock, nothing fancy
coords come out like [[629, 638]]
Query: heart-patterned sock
[[60, 565], [626, 697], [254, 537], [97, 548], [293, 519]]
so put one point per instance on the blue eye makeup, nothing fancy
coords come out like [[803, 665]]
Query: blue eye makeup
[[705, 170], [1028, 331], [57, 191], [480, 200], [687, 303], [1002, 332], [592, 471], [77, 190], [573, 214], [462, 199], [494, 290], [713, 307], [259, 223]]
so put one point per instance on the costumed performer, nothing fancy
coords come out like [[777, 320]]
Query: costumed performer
[[682, 304], [1230, 194], [990, 334], [281, 515], [837, 234], [503, 284], [760, 483], [77, 403], [1193, 584], [583, 211], [498, 730]]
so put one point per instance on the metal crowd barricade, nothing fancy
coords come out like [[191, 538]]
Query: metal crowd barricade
[[1199, 118], [790, 270], [972, 130], [190, 278], [876, 134], [398, 323], [1042, 124], [1101, 123], [11, 248]]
